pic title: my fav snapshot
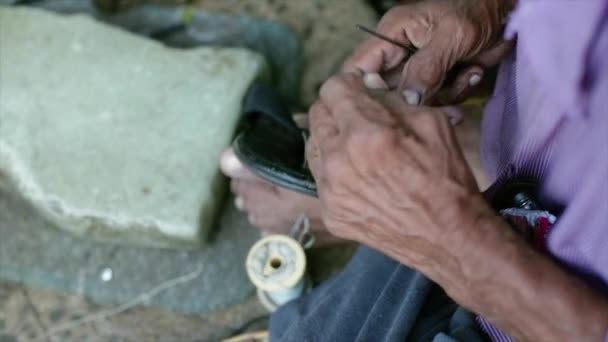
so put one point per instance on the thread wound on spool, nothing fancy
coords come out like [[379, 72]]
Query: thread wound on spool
[[276, 265]]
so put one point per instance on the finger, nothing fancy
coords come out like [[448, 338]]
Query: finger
[[315, 163], [494, 55], [252, 219], [374, 81], [454, 114], [340, 86], [394, 102], [395, 106], [431, 126], [341, 95], [239, 203], [393, 76], [323, 142], [232, 167], [249, 190], [425, 71], [239, 199], [233, 186], [323, 128], [467, 80], [375, 55]]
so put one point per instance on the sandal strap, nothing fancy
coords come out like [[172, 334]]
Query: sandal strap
[[262, 99]]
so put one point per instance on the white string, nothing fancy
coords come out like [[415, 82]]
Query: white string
[[142, 298], [301, 231], [281, 297]]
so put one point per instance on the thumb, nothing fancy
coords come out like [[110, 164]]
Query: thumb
[[373, 56], [424, 72]]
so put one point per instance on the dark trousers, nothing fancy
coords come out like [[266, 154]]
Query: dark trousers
[[375, 299]]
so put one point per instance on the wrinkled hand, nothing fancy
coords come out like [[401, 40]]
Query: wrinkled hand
[[392, 177], [389, 175], [445, 32]]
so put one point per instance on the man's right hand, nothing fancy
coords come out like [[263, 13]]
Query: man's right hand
[[444, 32]]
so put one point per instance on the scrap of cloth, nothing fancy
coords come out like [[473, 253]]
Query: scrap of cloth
[[548, 120]]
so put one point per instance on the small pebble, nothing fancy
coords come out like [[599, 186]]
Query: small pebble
[[106, 274]]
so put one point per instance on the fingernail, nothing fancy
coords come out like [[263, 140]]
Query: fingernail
[[301, 120], [374, 81], [454, 114], [239, 203], [411, 96], [474, 79]]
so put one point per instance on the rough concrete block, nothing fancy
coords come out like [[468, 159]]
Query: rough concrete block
[[33, 254], [114, 136]]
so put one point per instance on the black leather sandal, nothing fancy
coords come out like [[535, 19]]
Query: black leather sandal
[[271, 145]]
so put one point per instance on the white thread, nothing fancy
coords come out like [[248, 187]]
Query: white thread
[[276, 266], [281, 297]]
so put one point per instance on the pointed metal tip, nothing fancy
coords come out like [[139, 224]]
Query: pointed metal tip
[[408, 48]]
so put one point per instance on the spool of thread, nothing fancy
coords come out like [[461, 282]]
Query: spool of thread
[[276, 265]]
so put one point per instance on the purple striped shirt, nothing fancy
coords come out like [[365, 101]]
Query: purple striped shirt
[[548, 119]]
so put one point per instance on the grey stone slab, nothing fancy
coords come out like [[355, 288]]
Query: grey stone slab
[[34, 253], [112, 135], [186, 27]]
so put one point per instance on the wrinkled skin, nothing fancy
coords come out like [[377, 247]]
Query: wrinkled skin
[[445, 32], [385, 168], [393, 177], [273, 209]]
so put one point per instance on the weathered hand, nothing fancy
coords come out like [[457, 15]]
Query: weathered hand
[[392, 176], [389, 175], [268, 207], [445, 32]]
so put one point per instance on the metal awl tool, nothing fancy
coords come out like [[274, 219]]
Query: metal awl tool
[[407, 48]]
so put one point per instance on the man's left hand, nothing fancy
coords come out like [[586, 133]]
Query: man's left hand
[[389, 175], [393, 177]]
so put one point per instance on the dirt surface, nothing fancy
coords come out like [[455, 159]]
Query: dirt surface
[[40, 315], [28, 314]]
